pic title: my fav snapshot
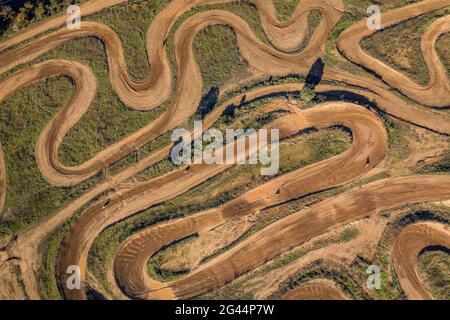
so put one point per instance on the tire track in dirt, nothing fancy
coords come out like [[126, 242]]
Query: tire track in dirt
[[155, 89], [408, 246], [138, 94], [437, 92], [2, 182], [321, 289], [152, 91], [31, 239], [296, 229]]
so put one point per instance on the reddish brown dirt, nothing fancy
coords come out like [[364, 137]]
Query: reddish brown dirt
[[437, 92], [369, 140]]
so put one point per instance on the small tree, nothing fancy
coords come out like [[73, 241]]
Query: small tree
[[39, 11]]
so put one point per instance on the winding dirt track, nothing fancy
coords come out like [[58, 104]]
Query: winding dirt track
[[369, 136], [369, 140], [2, 180], [408, 245]]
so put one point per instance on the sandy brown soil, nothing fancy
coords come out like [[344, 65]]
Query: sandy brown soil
[[408, 245], [315, 290]]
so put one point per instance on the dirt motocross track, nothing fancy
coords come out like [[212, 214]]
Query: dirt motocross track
[[369, 141]]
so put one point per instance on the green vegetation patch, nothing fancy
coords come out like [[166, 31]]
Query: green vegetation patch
[[348, 234], [218, 56], [400, 46], [133, 35], [21, 14], [442, 166], [434, 268]]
